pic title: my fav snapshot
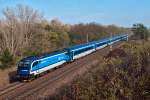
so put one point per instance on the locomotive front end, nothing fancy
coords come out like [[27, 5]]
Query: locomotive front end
[[23, 71]]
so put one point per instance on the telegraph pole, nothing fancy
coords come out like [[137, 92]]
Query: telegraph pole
[[110, 40], [144, 39], [87, 37]]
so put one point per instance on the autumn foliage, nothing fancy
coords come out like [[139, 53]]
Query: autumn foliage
[[121, 78], [25, 32]]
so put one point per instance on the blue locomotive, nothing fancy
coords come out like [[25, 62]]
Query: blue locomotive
[[34, 65]]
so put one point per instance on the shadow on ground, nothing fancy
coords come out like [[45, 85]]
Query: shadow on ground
[[12, 76]]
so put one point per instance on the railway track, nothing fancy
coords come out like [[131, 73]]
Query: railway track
[[38, 86], [46, 83], [10, 88]]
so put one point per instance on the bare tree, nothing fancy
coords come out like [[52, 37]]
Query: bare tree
[[1, 37], [19, 25], [56, 24]]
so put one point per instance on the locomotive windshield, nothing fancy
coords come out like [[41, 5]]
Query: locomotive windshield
[[24, 64]]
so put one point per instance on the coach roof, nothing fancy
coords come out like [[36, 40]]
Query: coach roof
[[38, 57]]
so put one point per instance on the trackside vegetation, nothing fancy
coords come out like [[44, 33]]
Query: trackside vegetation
[[119, 77]]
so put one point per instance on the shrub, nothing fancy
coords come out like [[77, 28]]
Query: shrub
[[120, 78], [6, 59]]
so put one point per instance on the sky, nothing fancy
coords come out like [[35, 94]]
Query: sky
[[119, 12]]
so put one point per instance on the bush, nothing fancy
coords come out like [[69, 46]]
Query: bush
[[120, 78], [6, 59]]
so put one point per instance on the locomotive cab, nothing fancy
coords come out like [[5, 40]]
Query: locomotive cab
[[23, 71]]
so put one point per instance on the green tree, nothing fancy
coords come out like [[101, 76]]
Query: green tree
[[6, 58], [140, 31]]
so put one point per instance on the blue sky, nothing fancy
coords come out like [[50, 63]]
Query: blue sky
[[119, 12]]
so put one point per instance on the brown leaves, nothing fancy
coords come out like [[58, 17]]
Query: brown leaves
[[121, 78]]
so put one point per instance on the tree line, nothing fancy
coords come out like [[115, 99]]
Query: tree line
[[24, 31]]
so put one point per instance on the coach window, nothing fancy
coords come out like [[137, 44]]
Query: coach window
[[35, 63]]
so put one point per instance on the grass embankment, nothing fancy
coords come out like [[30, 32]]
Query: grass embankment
[[122, 76]]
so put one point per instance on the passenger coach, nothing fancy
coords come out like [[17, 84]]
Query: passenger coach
[[34, 65], [81, 50]]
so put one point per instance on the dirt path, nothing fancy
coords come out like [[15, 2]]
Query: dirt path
[[6, 77]]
